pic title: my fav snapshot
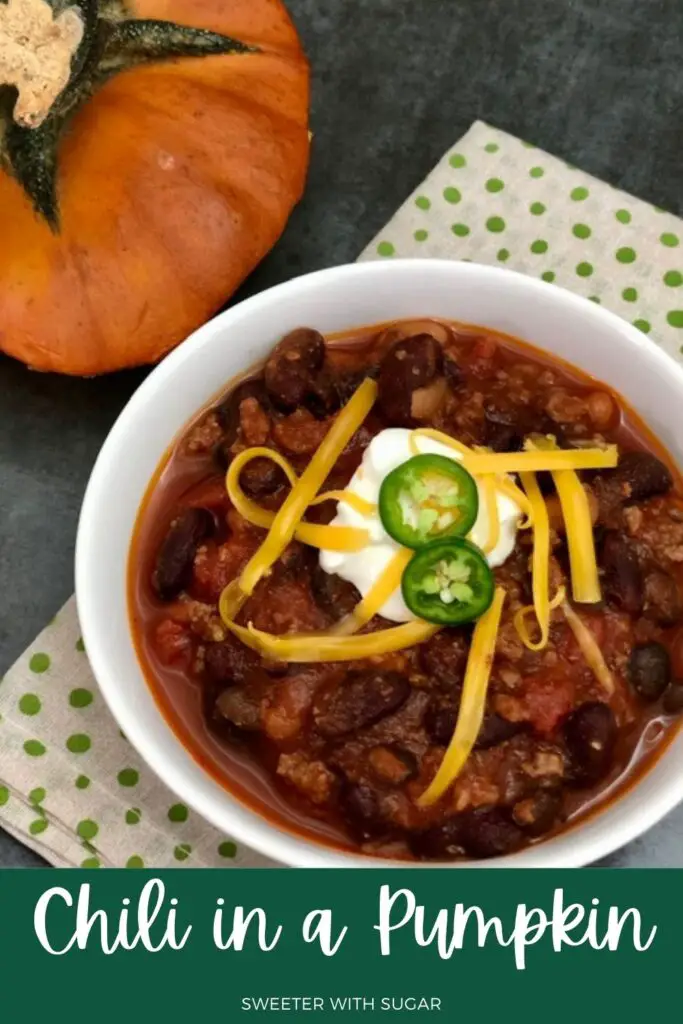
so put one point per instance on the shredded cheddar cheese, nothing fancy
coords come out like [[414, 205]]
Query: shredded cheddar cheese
[[488, 484], [539, 567], [522, 614], [288, 518], [335, 538], [388, 581], [438, 435], [579, 526], [540, 461], [358, 504], [590, 648], [310, 647], [472, 703]]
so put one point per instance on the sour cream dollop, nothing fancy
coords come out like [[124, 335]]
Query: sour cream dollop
[[389, 449]]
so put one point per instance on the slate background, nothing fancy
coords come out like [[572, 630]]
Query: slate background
[[596, 82]]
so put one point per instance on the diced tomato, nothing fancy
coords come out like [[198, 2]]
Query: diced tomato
[[547, 698], [173, 642]]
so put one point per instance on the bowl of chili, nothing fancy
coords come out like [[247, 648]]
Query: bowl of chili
[[368, 687]]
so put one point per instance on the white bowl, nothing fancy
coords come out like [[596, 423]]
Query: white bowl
[[333, 300]]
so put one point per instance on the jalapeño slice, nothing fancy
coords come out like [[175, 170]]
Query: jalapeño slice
[[427, 498], [448, 582]]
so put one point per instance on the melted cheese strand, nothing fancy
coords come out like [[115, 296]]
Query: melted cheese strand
[[510, 489], [541, 461], [488, 484], [539, 567], [472, 703], [388, 581], [287, 519], [521, 615], [504, 484], [358, 504], [231, 601], [310, 647], [579, 526], [438, 435], [334, 538], [590, 649]]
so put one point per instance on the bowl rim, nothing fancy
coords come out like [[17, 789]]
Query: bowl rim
[[259, 833]]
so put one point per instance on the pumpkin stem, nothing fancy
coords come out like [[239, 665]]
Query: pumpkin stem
[[54, 54], [36, 49]]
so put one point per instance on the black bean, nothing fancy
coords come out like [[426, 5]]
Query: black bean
[[362, 810], [495, 729], [408, 366], [505, 428], [334, 595], [489, 832], [360, 701], [452, 371], [502, 438], [322, 398], [662, 598], [229, 661], [649, 670], [590, 734], [261, 478], [291, 371], [175, 558], [642, 475], [347, 383], [440, 723], [673, 698], [440, 842], [538, 813], [228, 411], [622, 583], [444, 657]]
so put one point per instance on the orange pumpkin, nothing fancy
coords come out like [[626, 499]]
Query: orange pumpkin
[[145, 168]]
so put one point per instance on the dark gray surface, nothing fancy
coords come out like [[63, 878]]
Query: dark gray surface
[[597, 82]]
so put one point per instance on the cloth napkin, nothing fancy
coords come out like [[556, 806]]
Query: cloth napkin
[[71, 786]]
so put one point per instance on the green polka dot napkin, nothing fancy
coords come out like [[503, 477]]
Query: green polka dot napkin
[[494, 199], [71, 786]]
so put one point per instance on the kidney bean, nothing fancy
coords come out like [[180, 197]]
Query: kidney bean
[[444, 657], [590, 733], [495, 729], [649, 670], [229, 662], [662, 598], [500, 437], [642, 475], [291, 371], [622, 582], [361, 808], [407, 367], [538, 813], [323, 397], [489, 832], [334, 595], [175, 558], [441, 842], [228, 411], [360, 701], [440, 724], [673, 698], [452, 371], [392, 764], [261, 478]]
